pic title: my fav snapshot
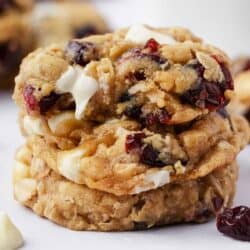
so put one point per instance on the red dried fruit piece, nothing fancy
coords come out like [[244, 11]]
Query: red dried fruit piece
[[210, 95], [125, 97], [134, 142], [133, 112], [217, 203], [81, 52], [47, 102], [152, 45], [139, 75], [150, 156], [235, 222], [147, 153], [29, 98], [161, 116]]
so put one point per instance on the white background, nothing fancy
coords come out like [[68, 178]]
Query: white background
[[222, 22]]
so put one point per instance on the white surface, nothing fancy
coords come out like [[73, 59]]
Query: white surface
[[224, 23], [40, 234], [10, 236]]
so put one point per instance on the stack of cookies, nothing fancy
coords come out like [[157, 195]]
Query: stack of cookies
[[127, 131]]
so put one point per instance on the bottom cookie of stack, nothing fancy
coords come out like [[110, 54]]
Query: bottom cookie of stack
[[80, 208]]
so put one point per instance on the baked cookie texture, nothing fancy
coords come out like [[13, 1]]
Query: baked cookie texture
[[134, 121], [122, 159], [241, 101], [59, 21], [15, 38], [80, 208], [128, 74]]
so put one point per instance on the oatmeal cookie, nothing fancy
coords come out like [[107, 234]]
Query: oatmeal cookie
[[15, 38], [59, 21], [158, 77], [121, 158], [80, 208]]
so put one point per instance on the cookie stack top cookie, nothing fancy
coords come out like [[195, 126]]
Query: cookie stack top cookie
[[130, 111]]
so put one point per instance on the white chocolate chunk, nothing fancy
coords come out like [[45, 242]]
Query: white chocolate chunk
[[20, 171], [10, 236], [33, 125], [69, 163], [25, 189], [55, 121], [153, 181], [141, 34], [81, 86]]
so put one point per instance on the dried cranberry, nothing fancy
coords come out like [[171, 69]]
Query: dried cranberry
[[141, 53], [217, 203], [205, 94], [125, 97], [81, 52], [47, 102], [86, 30], [210, 95], [139, 75], [161, 116], [29, 98], [152, 45], [228, 82], [133, 112], [235, 222], [149, 156], [164, 117], [134, 142], [150, 119], [199, 68], [147, 153]]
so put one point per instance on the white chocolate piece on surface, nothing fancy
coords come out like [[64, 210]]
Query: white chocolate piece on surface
[[10, 236]]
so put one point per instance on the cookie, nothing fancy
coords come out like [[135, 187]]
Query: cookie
[[241, 102], [15, 38], [121, 158], [79, 208], [57, 22], [157, 77]]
